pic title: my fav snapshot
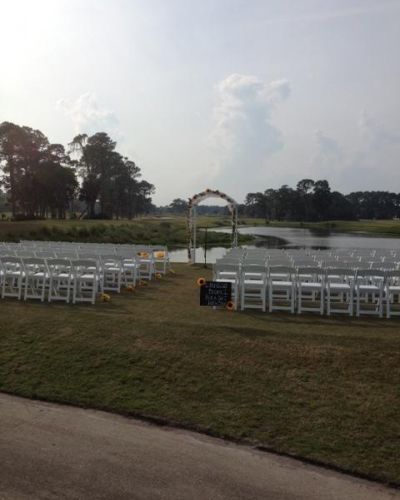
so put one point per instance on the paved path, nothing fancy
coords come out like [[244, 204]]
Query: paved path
[[52, 451]]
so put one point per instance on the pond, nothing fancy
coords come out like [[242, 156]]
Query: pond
[[282, 237]]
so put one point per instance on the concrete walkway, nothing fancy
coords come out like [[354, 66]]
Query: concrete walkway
[[52, 451]]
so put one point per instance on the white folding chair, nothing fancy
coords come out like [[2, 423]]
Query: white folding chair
[[60, 279], [85, 279], [229, 273], [161, 260], [111, 269], [369, 291], [36, 277], [339, 290], [145, 261], [392, 293], [253, 284], [281, 288], [13, 273], [310, 289]]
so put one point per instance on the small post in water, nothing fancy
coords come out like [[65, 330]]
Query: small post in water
[[205, 247]]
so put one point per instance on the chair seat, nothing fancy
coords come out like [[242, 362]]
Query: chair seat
[[368, 288], [278, 276], [226, 280], [87, 276], [256, 283], [61, 275], [339, 286], [310, 285], [282, 284], [394, 288]]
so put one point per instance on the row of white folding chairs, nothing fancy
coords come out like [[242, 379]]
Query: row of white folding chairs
[[131, 269], [100, 247], [145, 263], [385, 266], [33, 277], [314, 289]]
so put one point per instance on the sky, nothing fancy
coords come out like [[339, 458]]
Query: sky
[[234, 95]]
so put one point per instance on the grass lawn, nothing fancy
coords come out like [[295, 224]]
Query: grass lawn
[[324, 389]]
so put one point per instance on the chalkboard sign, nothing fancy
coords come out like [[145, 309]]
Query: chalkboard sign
[[215, 293]]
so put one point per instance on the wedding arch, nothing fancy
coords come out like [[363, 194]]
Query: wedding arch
[[192, 218]]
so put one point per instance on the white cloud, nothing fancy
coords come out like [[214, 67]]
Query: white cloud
[[329, 155], [244, 134], [374, 135], [86, 115], [371, 165]]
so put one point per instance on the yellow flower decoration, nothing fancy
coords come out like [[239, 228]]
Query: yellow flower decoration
[[230, 305], [201, 281], [105, 297]]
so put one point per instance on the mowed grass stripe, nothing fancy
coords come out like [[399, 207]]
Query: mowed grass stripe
[[326, 389]]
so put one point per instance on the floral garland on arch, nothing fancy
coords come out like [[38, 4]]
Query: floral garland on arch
[[191, 219]]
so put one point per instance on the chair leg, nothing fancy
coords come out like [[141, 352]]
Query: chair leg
[[293, 299], [351, 303], [299, 291], [322, 302]]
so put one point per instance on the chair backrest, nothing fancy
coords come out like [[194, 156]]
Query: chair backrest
[[376, 276], [45, 254], [84, 266], [57, 266], [87, 256], [281, 272], [226, 268], [308, 273], [340, 273], [11, 259], [67, 254], [387, 265], [34, 264], [254, 272], [11, 263], [111, 260], [393, 277]]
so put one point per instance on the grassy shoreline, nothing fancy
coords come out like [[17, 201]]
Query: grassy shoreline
[[325, 389], [145, 230], [171, 231]]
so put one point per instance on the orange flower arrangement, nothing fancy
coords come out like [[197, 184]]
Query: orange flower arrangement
[[201, 281], [230, 305]]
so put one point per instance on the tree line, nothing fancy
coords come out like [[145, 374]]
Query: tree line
[[315, 201], [40, 179]]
